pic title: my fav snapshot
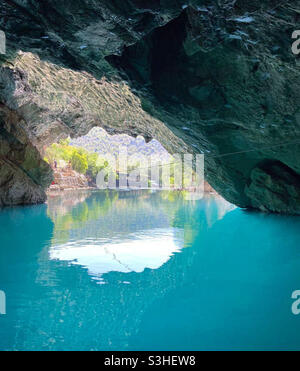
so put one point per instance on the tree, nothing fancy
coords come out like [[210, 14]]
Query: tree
[[79, 163], [83, 161]]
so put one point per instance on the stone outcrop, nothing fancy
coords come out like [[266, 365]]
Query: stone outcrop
[[23, 174], [67, 179], [220, 76]]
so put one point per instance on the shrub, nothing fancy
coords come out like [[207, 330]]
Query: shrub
[[79, 163]]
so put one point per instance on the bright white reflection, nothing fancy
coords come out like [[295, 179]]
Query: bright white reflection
[[150, 250]]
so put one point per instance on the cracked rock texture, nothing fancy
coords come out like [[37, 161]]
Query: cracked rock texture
[[216, 77]]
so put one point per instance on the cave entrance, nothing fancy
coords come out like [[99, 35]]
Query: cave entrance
[[77, 162], [126, 162]]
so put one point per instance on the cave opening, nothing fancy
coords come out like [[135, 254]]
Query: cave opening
[[128, 163], [77, 162]]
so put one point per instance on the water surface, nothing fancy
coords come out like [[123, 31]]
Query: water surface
[[147, 271]]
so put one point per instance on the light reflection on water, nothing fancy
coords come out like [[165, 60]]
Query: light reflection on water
[[132, 236], [140, 251], [176, 274]]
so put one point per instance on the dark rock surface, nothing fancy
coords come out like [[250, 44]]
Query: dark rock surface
[[220, 75], [23, 174]]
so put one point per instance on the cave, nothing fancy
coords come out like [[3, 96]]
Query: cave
[[198, 77], [177, 73], [103, 254]]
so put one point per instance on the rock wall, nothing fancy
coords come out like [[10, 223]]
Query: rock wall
[[68, 180], [23, 174], [219, 75]]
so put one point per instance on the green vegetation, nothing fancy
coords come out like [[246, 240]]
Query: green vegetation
[[79, 162], [76, 217], [90, 163], [82, 161]]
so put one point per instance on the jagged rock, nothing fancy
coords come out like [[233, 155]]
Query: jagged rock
[[221, 75], [274, 187], [49, 102]]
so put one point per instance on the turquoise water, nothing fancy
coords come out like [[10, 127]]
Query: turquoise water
[[147, 271]]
